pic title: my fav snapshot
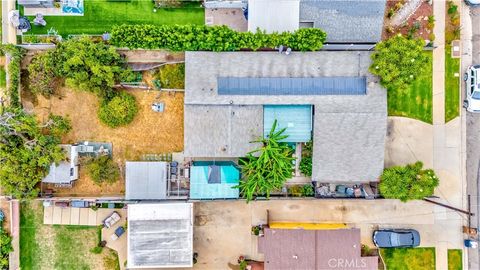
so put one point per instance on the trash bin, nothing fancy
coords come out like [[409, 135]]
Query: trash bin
[[470, 243]]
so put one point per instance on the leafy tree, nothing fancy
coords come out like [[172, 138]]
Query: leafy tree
[[118, 111], [13, 72], [27, 149], [86, 65], [5, 248], [398, 61], [103, 169], [409, 182], [268, 167], [306, 162]]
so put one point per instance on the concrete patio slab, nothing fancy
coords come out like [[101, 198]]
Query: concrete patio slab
[[75, 216], [92, 217], [83, 216], [66, 216], [57, 215], [48, 215]]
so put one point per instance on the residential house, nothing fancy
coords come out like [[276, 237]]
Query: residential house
[[323, 249], [232, 98], [64, 173]]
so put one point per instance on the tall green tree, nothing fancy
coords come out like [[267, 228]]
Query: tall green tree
[[84, 64], [268, 167], [27, 149], [103, 169], [410, 182], [398, 60]]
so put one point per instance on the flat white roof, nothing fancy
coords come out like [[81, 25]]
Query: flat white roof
[[273, 15], [146, 180], [160, 235]]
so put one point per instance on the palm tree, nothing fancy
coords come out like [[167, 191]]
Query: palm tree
[[267, 168]]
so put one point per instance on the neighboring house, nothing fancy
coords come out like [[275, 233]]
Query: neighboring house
[[66, 171], [297, 249], [344, 21], [160, 235], [36, 3], [232, 98]]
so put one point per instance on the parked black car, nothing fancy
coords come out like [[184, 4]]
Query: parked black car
[[396, 238]]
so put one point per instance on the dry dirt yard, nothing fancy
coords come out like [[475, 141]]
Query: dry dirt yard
[[149, 133]]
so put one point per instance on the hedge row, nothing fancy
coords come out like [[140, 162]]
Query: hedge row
[[211, 38], [13, 72]]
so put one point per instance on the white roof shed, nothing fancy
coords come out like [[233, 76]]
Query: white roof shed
[[146, 180], [160, 235], [273, 15]]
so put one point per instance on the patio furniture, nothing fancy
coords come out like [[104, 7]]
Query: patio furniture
[[111, 220], [158, 107], [288, 51], [280, 48], [39, 20], [118, 232]]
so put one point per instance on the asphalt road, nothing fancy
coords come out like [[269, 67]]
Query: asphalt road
[[473, 142]]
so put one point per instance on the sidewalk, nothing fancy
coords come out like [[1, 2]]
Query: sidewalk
[[448, 156], [9, 34]]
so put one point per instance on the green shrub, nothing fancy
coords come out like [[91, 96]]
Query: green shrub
[[103, 169], [398, 61], [295, 191], [118, 111], [13, 70], [409, 182], [172, 76], [211, 38], [5, 247], [306, 166], [308, 191]]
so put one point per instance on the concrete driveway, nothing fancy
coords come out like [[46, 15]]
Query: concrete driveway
[[222, 229]]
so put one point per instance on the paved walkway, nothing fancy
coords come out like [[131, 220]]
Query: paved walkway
[[448, 157], [77, 216], [9, 34], [120, 244]]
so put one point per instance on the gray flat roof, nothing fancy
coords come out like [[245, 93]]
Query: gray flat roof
[[346, 21], [160, 235], [145, 180], [353, 126], [292, 86]]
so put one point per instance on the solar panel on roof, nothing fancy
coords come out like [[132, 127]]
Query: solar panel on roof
[[292, 86]]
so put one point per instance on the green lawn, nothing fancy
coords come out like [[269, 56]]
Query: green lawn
[[416, 101], [455, 259], [409, 258], [101, 15], [58, 247], [452, 92], [3, 77]]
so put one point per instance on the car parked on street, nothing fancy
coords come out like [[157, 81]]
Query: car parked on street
[[472, 89], [474, 3], [391, 238]]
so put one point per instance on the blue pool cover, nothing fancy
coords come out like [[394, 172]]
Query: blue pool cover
[[200, 188], [292, 86], [297, 119]]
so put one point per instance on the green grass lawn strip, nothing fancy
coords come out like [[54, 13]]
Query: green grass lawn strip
[[452, 92], [409, 258], [455, 259]]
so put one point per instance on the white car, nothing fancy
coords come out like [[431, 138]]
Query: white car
[[474, 3], [472, 89]]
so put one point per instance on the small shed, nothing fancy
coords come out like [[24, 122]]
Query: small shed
[[297, 119], [146, 180], [66, 171], [214, 180]]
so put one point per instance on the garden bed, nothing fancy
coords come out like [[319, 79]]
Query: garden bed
[[418, 24], [101, 15], [58, 247], [455, 259]]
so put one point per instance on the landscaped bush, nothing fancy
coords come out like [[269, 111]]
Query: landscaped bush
[[5, 247], [13, 70], [103, 169], [172, 76], [85, 65], [409, 182], [211, 38], [118, 111], [398, 61], [306, 162]]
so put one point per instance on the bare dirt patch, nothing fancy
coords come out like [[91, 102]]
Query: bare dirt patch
[[150, 132]]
